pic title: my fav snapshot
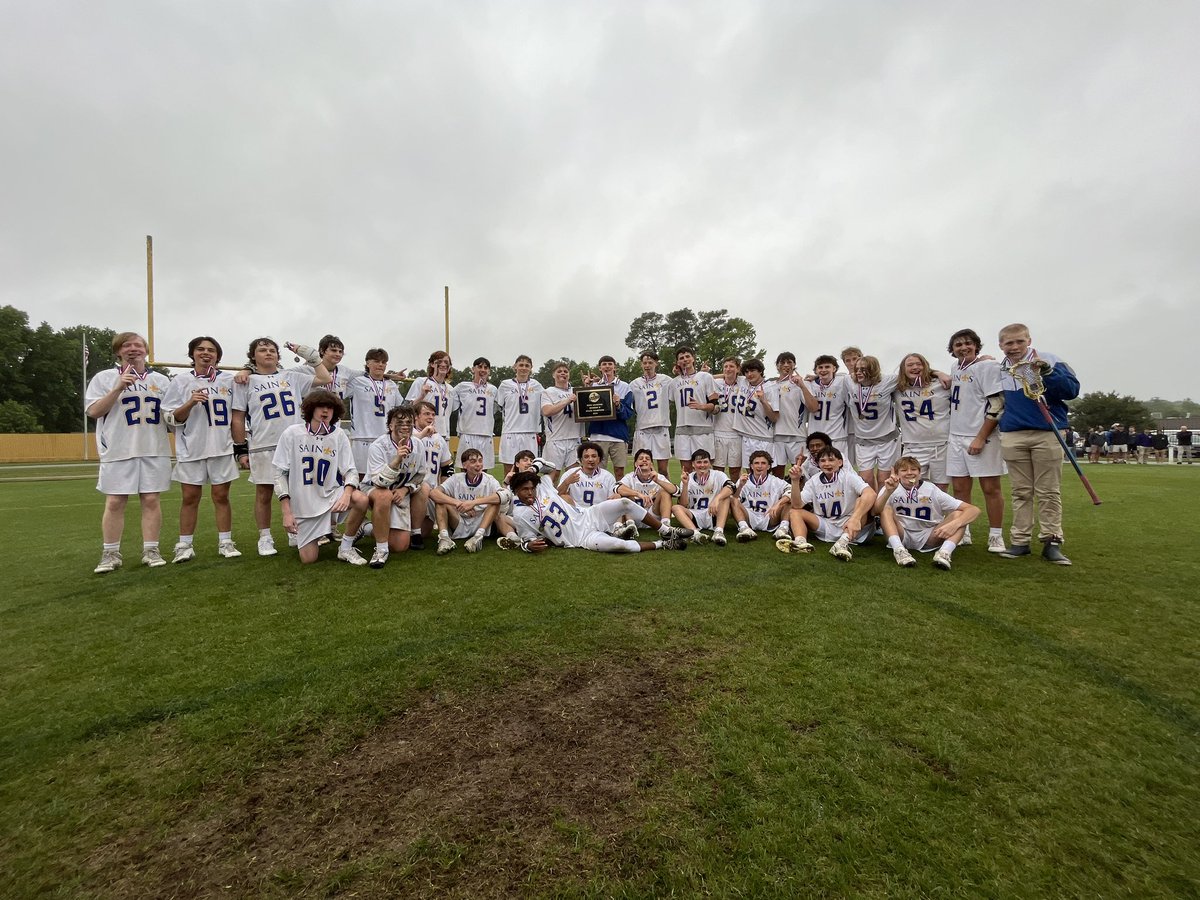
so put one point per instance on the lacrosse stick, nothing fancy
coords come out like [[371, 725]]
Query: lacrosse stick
[[1028, 376]]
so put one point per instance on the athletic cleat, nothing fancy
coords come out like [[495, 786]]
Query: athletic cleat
[[416, 541], [379, 558], [675, 543], [677, 532], [995, 543], [445, 544], [183, 553], [228, 549], [266, 546], [321, 541], [152, 558], [1015, 551], [783, 531], [786, 545], [351, 555], [508, 542], [365, 530], [627, 531], [841, 549], [109, 561], [700, 538], [904, 558], [802, 546], [941, 560], [966, 539], [718, 538], [745, 536], [473, 543], [1052, 552]]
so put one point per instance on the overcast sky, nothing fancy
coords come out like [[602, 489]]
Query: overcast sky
[[835, 172]]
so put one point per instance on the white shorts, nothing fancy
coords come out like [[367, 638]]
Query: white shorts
[[759, 521], [786, 450], [514, 443], [753, 444], [401, 515], [615, 451], [876, 454], [481, 442], [961, 464], [932, 458], [656, 440], [728, 450], [313, 528], [214, 470], [687, 444], [829, 531], [467, 526], [359, 448], [562, 454], [917, 538], [702, 517], [261, 469], [140, 475]]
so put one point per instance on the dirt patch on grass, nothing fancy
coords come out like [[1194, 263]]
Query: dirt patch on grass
[[536, 786]]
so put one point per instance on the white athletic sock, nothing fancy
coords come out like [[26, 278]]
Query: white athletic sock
[[149, 545], [224, 535], [478, 532], [743, 526], [949, 546], [116, 546], [664, 529], [894, 542], [995, 532], [186, 539], [381, 548], [264, 532], [347, 541], [658, 545]]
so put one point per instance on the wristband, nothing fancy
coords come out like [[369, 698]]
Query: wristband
[[240, 450]]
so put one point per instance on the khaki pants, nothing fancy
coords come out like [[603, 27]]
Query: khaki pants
[[1035, 462]]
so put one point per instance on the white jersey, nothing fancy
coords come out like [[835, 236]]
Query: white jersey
[[760, 498], [341, 378], [649, 490], [562, 425], [317, 468], [521, 406], [834, 500], [701, 494], [136, 425], [371, 400], [560, 523], [924, 507], [652, 401], [439, 394], [698, 387], [205, 434], [969, 392], [460, 487], [590, 489], [411, 472], [476, 405], [751, 420], [726, 414], [924, 414], [271, 404], [437, 454], [833, 402], [793, 414], [873, 409]]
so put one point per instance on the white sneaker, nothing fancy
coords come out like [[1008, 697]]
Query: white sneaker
[[783, 531], [266, 546], [700, 538], [627, 531], [966, 539], [903, 557], [445, 544], [718, 538], [152, 558], [228, 549], [995, 543], [352, 556], [508, 542], [183, 553], [472, 544], [365, 530], [786, 545], [379, 558], [941, 559], [800, 545], [109, 561], [841, 549], [745, 536]]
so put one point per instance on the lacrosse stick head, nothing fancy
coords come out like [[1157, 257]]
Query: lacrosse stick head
[[1028, 375]]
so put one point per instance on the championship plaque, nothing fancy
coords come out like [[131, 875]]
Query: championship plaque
[[595, 404]]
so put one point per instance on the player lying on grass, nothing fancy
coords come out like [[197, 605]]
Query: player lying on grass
[[840, 510], [918, 515], [466, 504], [544, 518], [761, 501], [315, 476], [704, 497]]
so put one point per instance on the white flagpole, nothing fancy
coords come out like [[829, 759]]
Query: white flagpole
[[85, 416]]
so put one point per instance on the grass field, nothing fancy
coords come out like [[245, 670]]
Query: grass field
[[727, 722]]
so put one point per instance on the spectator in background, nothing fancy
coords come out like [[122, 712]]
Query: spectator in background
[[1095, 444], [1161, 442], [1183, 438], [1144, 444], [1117, 443]]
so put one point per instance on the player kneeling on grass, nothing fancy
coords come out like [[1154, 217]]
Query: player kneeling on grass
[[315, 476], [704, 496], [396, 472], [840, 509], [541, 510], [761, 501], [918, 515], [466, 504]]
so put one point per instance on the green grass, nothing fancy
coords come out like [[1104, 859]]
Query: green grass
[[1010, 728]]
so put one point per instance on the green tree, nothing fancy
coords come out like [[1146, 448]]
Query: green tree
[[713, 333], [14, 347], [18, 418], [1102, 409]]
